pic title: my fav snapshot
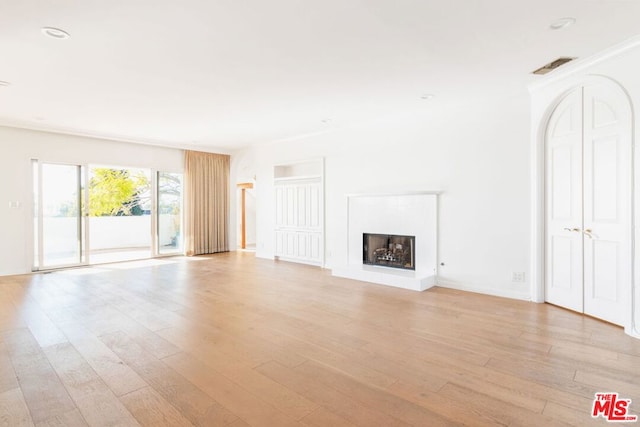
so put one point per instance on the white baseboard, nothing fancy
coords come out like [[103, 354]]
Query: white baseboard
[[505, 293], [631, 332], [297, 260]]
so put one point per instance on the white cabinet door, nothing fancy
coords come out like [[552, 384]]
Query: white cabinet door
[[588, 204], [299, 225]]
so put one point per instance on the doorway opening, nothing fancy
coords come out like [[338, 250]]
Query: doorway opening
[[246, 217], [94, 214]]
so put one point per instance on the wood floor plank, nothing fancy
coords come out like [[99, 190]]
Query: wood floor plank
[[119, 377], [322, 417], [245, 376], [240, 401], [8, 379], [239, 423], [150, 409], [13, 409], [43, 391], [224, 325], [339, 403], [571, 416], [93, 398], [604, 383], [555, 376], [71, 418], [179, 391], [42, 328], [10, 317], [452, 410], [383, 400], [304, 346], [503, 413], [230, 339]]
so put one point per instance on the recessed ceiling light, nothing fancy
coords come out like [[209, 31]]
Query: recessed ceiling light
[[325, 121], [427, 96], [561, 23], [3, 83], [55, 33]]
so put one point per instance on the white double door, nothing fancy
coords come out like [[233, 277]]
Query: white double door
[[588, 204], [299, 223]]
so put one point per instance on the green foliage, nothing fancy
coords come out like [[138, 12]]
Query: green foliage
[[116, 192]]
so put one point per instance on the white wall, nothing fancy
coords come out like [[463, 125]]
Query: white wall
[[250, 213], [479, 157], [18, 147], [621, 65]]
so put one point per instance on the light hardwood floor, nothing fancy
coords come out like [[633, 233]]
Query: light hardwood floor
[[231, 340]]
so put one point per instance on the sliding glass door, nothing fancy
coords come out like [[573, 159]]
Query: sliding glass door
[[99, 214], [58, 215], [119, 213], [169, 221]]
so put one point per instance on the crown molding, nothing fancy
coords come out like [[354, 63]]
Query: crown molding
[[109, 137], [581, 64]]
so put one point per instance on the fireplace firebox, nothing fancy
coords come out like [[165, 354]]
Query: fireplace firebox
[[389, 250]]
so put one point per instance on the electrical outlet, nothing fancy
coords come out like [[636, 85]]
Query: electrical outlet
[[517, 277]]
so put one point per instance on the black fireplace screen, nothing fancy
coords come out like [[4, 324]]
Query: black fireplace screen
[[389, 250]]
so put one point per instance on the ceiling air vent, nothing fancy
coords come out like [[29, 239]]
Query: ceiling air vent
[[553, 65]]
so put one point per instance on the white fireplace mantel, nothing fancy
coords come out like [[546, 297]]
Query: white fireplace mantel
[[407, 213]]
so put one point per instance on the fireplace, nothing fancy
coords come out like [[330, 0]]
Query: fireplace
[[389, 250]]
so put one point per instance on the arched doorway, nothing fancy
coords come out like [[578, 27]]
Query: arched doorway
[[588, 204]]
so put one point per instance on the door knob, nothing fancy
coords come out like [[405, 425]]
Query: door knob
[[587, 233], [572, 229]]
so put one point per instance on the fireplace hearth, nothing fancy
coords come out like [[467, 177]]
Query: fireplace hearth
[[389, 250]]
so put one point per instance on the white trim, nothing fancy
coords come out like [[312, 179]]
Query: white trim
[[83, 242], [582, 64], [297, 261], [315, 178], [14, 124], [300, 162], [539, 123], [276, 181], [498, 292], [402, 193]]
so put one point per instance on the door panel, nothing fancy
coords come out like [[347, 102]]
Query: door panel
[[564, 281], [607, 204], [169, 213], [603, 271], [604, 179], [561, 172], [562, 249], [315, 203], [299, 221], [59, 216]]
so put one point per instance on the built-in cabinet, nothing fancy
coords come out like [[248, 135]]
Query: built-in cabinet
[[299, 193]]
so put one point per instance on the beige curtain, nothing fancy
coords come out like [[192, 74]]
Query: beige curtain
[[206, 186]]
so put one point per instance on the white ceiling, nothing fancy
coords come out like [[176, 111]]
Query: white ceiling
[[232, 73]]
